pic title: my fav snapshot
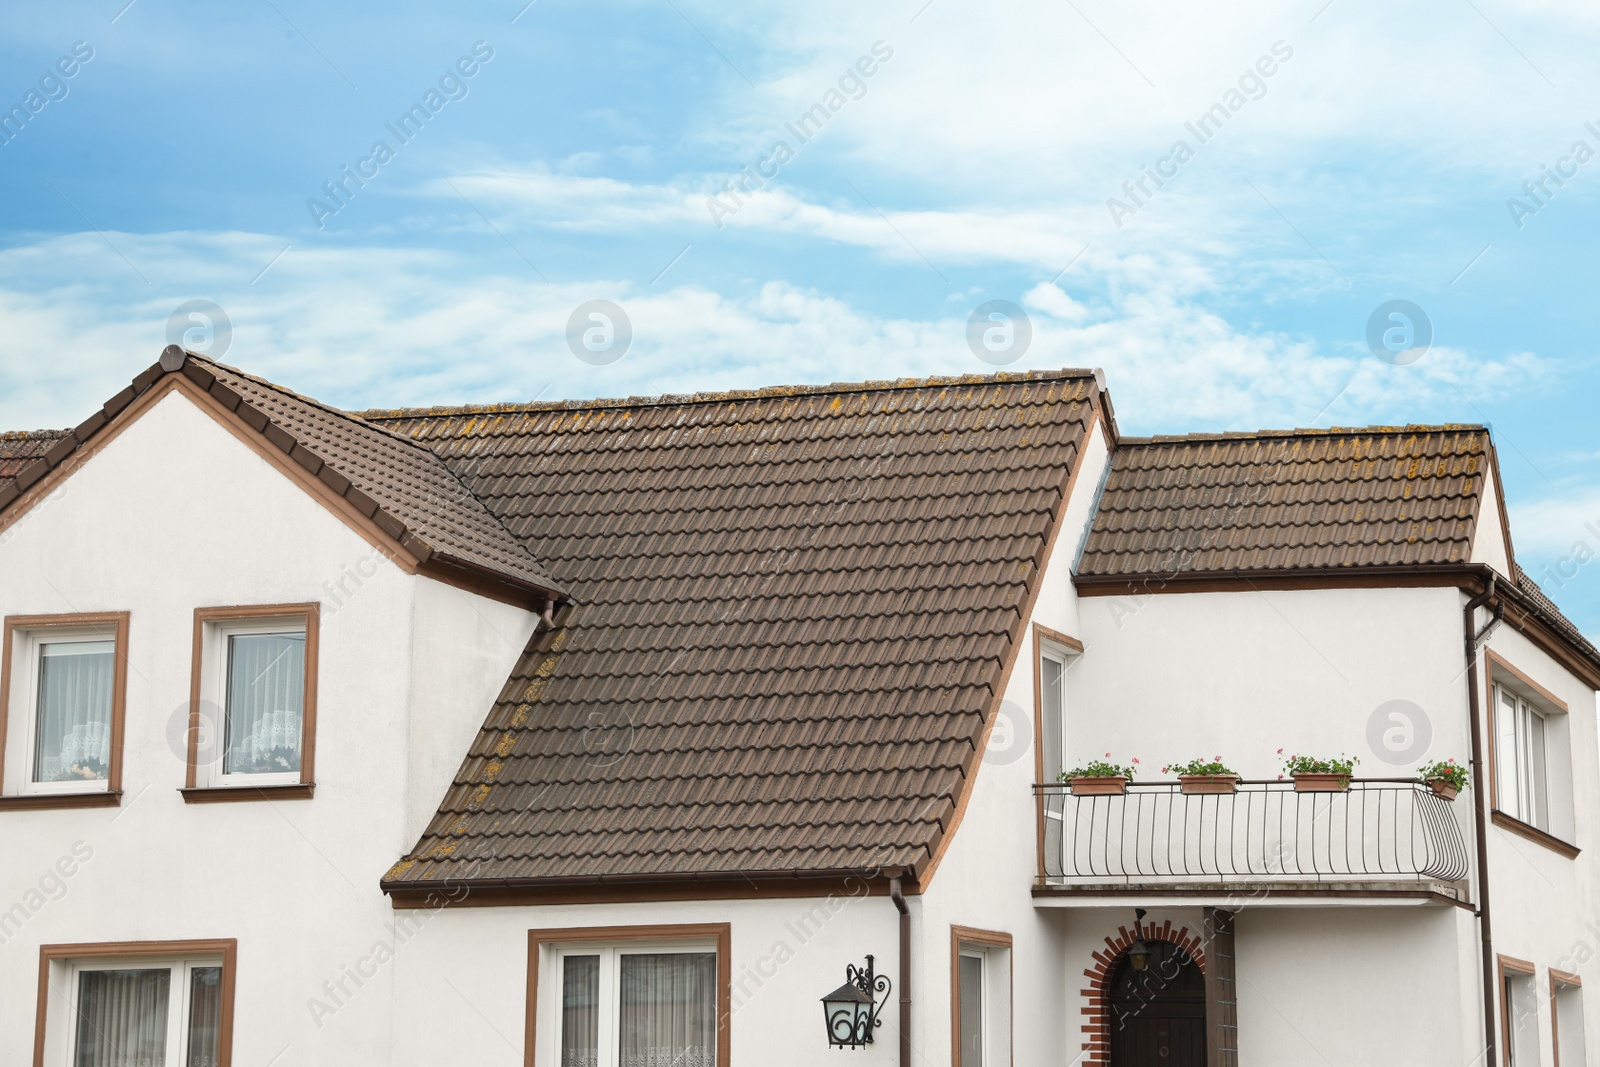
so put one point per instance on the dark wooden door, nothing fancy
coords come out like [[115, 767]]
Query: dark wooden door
[[1158, 1014]]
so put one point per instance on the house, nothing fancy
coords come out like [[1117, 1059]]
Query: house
[[625, 732]]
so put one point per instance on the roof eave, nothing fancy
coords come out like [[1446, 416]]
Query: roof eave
[[1583, 659]]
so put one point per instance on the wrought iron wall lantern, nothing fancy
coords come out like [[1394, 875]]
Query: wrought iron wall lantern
[[1139, 953], [851, 1011]]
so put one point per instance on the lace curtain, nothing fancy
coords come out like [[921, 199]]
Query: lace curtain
[[668, 1013], [205, 1017], [266, 703], [73, 731], [122, 1018], [580, 1011]]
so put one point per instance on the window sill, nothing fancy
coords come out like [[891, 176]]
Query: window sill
[[100, 798], [227, 794], [1534, 834]]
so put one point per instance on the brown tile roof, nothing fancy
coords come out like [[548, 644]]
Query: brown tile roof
[[405, 479], [792, 609], [1380, 496], [1543, 605], [403, 487], [18, 448]]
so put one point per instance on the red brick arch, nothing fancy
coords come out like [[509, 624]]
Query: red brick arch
[[1097, 1015]]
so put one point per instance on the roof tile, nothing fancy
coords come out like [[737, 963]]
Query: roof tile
[[790, 609]]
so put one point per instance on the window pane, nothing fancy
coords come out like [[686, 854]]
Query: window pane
[[205, 1016], [1507, 755], [1538, 799], [668, 1014], [266, 703], [122, 1018], [971, 1011], [1052, 676], [73, 731], [580, 1011]]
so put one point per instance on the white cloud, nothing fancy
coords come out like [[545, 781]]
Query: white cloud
[[372, 326], [1046, 297]]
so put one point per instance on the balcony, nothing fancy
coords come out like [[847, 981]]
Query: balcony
[[1383, 840]]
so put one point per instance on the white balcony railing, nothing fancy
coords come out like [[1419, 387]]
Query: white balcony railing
[[1378, 828]]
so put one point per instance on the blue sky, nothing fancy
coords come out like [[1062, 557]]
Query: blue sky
[[1377, 161]]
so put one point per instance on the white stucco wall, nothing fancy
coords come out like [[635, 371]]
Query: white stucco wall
[[1546, 906], [1489, 539], [175, 514]]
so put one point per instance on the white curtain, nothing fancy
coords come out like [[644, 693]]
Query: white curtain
[[266, 703], [669, 1010], [580, 1011], [205, 1017], [122, 1018], [73, 731]]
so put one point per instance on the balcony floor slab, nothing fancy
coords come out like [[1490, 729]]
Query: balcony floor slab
[[1297, 893]]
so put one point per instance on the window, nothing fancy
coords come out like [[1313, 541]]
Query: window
[[253, 704], [1055, 652], [635, 997], [153, 1004], [1052, 704], [1566, 1005], [1530, 757], [62, 694], [1519, 1013], [980, 998], [972, 1044], [1521, 788]]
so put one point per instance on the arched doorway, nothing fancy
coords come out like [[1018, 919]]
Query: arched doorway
[[1158, 1014]]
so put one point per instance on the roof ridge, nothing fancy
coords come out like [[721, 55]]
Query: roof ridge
[[1312, 431], [24, 435], [669, 399]]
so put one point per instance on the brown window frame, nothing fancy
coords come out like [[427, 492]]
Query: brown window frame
[[721, 933], [111, 795], [1498, 673], [968, 935], [1509, 965], [303, 790], [1557, 980], [227, 948]]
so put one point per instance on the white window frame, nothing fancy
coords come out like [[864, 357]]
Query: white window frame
[[179, 997], [214, 692], [1053, 653], [25, 700], [610, 988], [986, 1056], [1524, 769]]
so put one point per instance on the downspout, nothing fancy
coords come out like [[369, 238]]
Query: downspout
[[1473, 638], [905, 969]]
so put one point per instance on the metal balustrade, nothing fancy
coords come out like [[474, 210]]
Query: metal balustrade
[[1378, 828]]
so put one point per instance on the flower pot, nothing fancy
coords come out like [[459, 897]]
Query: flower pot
[[1209, 783], [1098, 787], [1321, 783], [1442, 788]]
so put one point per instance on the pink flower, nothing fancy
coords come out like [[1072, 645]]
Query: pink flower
[[1280, 777], [1108, 755], [1280, 751]]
